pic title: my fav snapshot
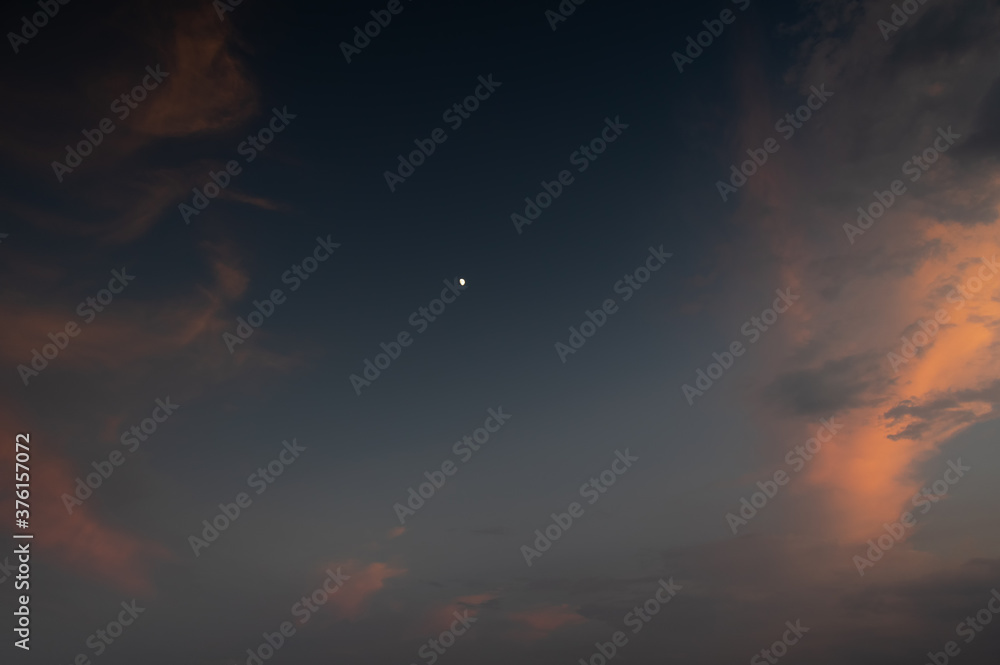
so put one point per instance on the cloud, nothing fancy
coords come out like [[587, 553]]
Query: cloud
[[366, 581], [139, 170], [828, 356], [440, 617], [950, 409], [209, 89], [79, 542], [540, 622], [751, 584], [836, 385], [984, 138], [942, 34], [131, 329], [835, 273]]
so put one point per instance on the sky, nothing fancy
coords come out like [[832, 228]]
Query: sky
[[503, 332]]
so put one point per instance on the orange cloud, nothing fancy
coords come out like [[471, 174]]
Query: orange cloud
[[859, 299], [78, 542], [132, 330], [441, 617], [117, 194], [366, 580], [208, 89], [541, 622], [867, 470]]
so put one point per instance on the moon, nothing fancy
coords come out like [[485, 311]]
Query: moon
[[461, 281]]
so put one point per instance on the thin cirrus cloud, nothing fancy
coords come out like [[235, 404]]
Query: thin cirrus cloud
[[130, 335], [114, 194], [439, 618], [210, 89], [81, 542], [133, 330], [354, 598], [539, 622]]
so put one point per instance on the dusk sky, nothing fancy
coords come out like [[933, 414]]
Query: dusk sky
[[401, 333]]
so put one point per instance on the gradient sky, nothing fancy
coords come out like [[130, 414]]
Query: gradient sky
[[665, 518]]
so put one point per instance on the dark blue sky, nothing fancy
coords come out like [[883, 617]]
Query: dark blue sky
[[699, 491]]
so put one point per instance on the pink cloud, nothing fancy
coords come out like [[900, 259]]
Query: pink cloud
[[79, 542], [366, 580], [541, 622]]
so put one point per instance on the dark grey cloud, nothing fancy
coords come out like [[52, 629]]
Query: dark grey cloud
[[835, 273], [984, 141], [836, 385], [942, 31]]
